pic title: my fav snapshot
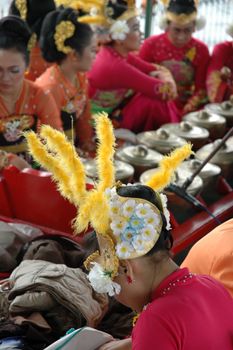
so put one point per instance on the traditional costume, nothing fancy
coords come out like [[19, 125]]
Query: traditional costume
[[220, 71], [71, 100], [129, 93], [188, 64], [33, 12], [71, 97], [183, 312], [33, 108]]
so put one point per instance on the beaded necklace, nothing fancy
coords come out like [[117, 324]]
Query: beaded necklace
[[177, 282], [172, 285]]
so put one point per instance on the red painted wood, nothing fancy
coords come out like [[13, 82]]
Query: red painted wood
[[34, 198], [199, 225]]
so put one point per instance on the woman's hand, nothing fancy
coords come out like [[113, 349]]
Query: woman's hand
[[7, 159], [18, 162], [170, 89], [125, 344]]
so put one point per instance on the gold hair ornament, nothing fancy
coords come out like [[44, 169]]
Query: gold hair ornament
[[98, 12], [182, 18], [64, 30], [32, 42], [21, 5]]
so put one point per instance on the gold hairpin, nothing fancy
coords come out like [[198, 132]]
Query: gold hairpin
[[64, 30], [21, 5], [32, 42]]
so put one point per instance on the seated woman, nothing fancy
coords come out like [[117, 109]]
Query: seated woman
[[178, 310], [213, 255], [23, 105], [123, 85], [187, 58], [70, 46], [33, 12], [220, 71]]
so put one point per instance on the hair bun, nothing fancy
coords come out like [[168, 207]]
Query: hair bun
[[182, 6], [115, 9], [80, 38], [16, 28]]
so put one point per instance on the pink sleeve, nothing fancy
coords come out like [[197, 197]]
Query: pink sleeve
[[146, 50], [140, 64], [153, 332], [125, 76]]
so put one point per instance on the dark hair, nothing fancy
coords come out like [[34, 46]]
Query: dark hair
[[81, 38], [90, 243], [36, 12], [115, 9], [15, 35], [182, 6], [165, 240]]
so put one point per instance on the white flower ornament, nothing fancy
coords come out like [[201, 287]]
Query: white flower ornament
[[119, 30], [166, 213], [102, 282]]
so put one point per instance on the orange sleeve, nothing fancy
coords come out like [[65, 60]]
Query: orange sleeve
[[47, 109]]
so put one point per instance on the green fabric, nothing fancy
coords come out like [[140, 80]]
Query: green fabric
[[96, 108]]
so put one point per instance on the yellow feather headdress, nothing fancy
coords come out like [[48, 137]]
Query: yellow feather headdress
[[98, 11], [108, 213]]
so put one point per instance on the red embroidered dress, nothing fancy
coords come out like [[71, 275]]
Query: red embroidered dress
[[32, 108], [188, 65], [114, 78], [220, 89], [72, 101]]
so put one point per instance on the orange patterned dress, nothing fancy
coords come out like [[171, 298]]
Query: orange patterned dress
[[37, 64], [72, 101], [32, 108]]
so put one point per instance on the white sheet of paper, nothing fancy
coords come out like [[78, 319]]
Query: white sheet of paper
[[85, 338]]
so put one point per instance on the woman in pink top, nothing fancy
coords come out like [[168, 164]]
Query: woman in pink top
[[178, 310], [123, 84]]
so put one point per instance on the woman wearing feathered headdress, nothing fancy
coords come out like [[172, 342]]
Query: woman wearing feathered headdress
[[220, 71], [187, 58], [121, 84], [178, 310]]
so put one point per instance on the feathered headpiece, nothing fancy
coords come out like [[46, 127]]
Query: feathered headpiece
[[102, 12], [126, 227]]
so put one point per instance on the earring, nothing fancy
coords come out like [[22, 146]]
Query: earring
[[129, 279]]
